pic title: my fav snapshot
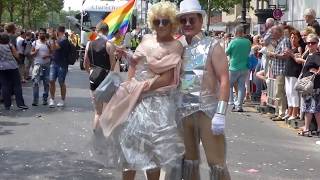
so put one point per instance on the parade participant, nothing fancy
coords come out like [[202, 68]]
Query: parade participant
[[99, 52], [204, 96], [139, 121]]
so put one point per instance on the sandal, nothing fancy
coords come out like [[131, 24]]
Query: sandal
[[305, 132]]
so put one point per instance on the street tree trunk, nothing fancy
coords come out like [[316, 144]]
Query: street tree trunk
[[23, 15], [1, 10], [28, 14], [11, 10]]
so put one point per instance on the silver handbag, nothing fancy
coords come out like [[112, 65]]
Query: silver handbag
[[305, 85], [107, 87]]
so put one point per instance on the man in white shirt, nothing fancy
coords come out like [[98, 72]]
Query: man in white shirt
[[42, 53], [20, 50]]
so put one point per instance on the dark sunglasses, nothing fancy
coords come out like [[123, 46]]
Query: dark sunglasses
[[312, 43], [163, 22], [184, 21]]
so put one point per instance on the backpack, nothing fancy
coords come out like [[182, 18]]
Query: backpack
[[73, 54], [27, 44]]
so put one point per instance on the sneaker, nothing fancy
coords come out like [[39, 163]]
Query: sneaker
[[52, 104], [61, 103], [35, 103], [45, 102], [239, 109], [278, 118], [23, 107], [293, 118], [286, 117]]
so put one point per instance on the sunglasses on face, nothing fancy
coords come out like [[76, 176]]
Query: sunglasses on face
[[191, 20], [312, 43], [163, 22]]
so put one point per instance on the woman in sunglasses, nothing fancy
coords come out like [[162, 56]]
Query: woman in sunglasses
[[139, 121], [311, 105]]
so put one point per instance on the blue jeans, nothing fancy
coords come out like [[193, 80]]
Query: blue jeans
[[58, 72], [38, 75], [238, 77], [258, 82], [10, 82]]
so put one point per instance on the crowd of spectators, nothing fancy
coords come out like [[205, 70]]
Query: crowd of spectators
[[278, 57], [33, 56]]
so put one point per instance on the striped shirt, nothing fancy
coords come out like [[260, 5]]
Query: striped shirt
[[279, 65]]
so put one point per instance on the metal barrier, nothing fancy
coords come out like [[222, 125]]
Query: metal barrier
[[271, 92]]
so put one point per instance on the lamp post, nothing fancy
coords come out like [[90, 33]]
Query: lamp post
[[208, 15], [244, 14], [146, 13]]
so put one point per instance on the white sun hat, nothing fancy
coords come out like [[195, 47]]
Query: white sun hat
[[190, 6]]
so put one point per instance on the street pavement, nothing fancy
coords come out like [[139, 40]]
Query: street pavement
[[45, 143]]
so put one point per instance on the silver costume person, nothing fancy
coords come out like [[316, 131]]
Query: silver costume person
[[199, 100]]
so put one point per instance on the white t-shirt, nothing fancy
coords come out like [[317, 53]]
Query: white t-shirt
[[20, 48], [43, 51]]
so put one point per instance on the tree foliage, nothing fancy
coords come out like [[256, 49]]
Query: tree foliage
[[220, 5], [29, 14]]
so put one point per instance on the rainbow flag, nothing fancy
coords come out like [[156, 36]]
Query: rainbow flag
[[120, 18]]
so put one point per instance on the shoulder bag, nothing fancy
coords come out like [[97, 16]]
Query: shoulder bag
[[97, 73], [304, 85]]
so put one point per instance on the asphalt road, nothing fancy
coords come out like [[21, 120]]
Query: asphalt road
[[43, 143]]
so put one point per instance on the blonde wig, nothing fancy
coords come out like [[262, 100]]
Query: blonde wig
[[166, 9]]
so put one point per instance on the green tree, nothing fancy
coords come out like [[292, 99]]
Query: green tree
[[28, 13]]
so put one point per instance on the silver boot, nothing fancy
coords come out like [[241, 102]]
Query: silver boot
[[189, 167], [218, 172]]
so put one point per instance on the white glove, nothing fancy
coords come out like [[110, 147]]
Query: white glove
[[218, 124]]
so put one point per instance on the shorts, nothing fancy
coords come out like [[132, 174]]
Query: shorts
[[21, 59], [59, 72]]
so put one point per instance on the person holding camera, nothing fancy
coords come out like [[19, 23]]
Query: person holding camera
[[59, 65], [41, 51]]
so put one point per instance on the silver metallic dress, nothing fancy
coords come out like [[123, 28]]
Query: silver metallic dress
[[149, 138]]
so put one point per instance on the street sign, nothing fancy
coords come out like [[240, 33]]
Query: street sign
[[277, 14]]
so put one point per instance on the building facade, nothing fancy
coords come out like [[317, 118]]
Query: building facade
[[292, 13]]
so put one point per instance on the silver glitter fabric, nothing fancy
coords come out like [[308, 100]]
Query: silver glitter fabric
[[149, 138], [198, 83]]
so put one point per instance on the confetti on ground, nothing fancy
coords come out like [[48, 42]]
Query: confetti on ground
[[252, 171]]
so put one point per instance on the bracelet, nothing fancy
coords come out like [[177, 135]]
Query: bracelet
[[222, 107]]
